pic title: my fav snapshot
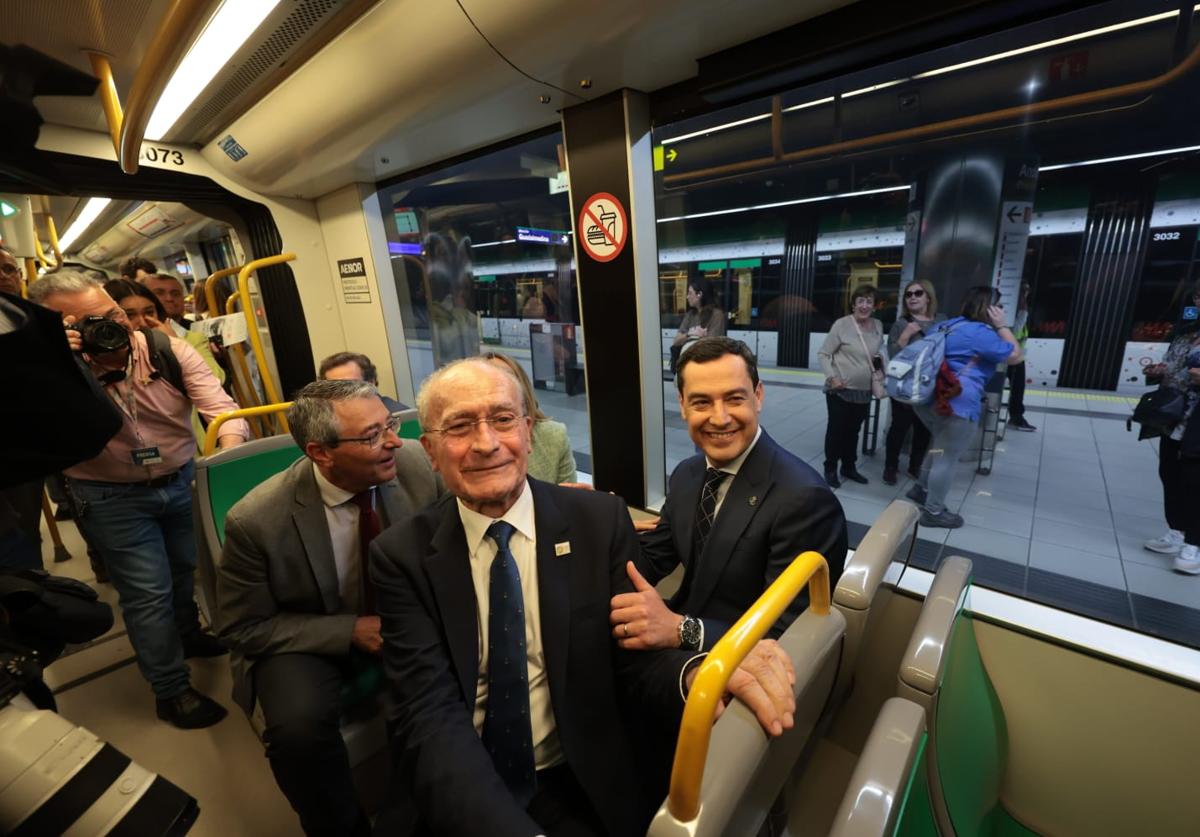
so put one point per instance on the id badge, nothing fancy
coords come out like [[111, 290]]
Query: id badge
[[146, 456]]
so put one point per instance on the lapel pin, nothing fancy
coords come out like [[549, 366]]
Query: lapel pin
[[753, 499], [561, 549]]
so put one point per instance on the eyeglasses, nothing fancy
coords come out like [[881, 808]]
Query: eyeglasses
[[9, 269], [376, 439], [914, 293], [503, 424]]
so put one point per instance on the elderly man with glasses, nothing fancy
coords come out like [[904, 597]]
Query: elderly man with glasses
[[10, 272], [294, 598]]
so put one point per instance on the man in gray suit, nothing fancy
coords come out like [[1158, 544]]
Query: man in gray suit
[[294, 599]]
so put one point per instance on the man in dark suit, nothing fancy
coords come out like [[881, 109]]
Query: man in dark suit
[[735, 517], [508, 690], [293, 597]]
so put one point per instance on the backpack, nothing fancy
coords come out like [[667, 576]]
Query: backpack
[[912, 374], [163, 360]]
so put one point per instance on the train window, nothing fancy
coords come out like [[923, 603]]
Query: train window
[[778, 207], [482, 260]]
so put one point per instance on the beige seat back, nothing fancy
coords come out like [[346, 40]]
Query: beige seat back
[[924, 661], [858, 594], [875, 796], [745, 770]]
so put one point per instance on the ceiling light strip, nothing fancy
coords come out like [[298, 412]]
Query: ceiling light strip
[[90, 212], [816, 199], [1078, 36], [1160, 153], [228, 29], [714, 128]]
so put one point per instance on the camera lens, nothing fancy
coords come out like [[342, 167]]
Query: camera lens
[[100, 335]]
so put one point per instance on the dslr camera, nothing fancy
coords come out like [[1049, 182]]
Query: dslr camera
[[100, 335]]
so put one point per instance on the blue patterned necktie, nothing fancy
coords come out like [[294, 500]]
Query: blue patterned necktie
[[507, 732], [706, 514]]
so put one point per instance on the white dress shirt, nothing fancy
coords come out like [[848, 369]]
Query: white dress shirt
[[732, 469], [547, 751], [341, 513]]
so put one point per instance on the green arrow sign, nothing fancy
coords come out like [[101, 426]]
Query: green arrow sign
[[7, 210]]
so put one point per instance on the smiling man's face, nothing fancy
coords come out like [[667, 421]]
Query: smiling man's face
[[720, 405], [485, 468]]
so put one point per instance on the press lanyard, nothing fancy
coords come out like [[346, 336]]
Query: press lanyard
[[127, 402]]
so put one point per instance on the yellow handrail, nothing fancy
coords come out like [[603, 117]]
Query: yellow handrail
[[53, 230], [109, 99], [708, 688], [41, 254], [164, 51], [210, 290], [30, 275], [252, 326], [210, 438]]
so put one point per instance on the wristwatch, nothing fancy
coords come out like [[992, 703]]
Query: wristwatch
[[691, 633]]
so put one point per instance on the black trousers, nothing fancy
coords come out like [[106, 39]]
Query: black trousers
[[1016, 392], [561, 807], [1180, 477], [841, 432], [300, 695], [905, 418]]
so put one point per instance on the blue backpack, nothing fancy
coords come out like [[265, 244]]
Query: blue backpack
[[912, 374]]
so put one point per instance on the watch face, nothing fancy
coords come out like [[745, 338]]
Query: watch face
[[689, 632]]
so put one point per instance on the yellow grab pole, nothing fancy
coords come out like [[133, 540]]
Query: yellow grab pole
[[30, 274], [210, 288], [244, 384], [37, 248], [53, 230], [708, 688], [164, 51], [109, 98], [210, 438], [252, 324]]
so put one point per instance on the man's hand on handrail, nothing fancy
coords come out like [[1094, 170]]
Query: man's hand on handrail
[[765, 682]]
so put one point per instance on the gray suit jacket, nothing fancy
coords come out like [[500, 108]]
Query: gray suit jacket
[[277, 588]]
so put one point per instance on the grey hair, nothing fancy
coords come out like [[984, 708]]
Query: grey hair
[[311, 415], [62, 282], [425, 400]]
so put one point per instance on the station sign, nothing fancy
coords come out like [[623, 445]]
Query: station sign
[[532, 235]]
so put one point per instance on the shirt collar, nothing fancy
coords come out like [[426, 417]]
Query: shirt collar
[[519, 514], [736, 465], [331, 495]]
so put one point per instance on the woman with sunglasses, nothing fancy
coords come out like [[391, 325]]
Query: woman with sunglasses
[[918, 311]]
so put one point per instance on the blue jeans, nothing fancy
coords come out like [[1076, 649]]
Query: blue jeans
[[951, 436], [146, 538]]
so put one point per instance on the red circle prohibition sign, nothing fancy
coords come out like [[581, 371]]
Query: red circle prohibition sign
[[599, 228]]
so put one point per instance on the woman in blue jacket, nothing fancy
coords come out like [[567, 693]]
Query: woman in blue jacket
[[978, 340]]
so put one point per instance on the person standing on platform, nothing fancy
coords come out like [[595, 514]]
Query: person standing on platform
[[851, 358], [919, 307], [1016, 373], [294, 600], [976, 341]]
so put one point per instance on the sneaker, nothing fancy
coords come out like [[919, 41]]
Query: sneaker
[[1168, 544], [832, 479], [917, 495], [1188, 560], [889, 476], [945, 519], [854, 476], [1021, 424], [190, 710]]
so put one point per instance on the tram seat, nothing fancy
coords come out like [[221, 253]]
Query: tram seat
[[857, 594], [745, 770], [878, 796], [957, 789]]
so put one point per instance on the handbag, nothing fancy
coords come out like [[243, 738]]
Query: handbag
[[1158, 411], [878, 390]]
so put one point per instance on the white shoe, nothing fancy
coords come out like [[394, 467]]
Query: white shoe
[[1168, 544], [1188, 560]]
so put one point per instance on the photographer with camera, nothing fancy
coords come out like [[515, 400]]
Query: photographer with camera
[[134, 499]]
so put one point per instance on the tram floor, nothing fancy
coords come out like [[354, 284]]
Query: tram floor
[[98, 687]]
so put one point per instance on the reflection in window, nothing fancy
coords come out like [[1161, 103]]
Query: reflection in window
[[482, 259]]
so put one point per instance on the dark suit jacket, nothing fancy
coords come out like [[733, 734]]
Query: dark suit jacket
[[776, 507], [277, 587], [427, 603]]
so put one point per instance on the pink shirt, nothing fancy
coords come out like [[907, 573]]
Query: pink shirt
[[164, 417]]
